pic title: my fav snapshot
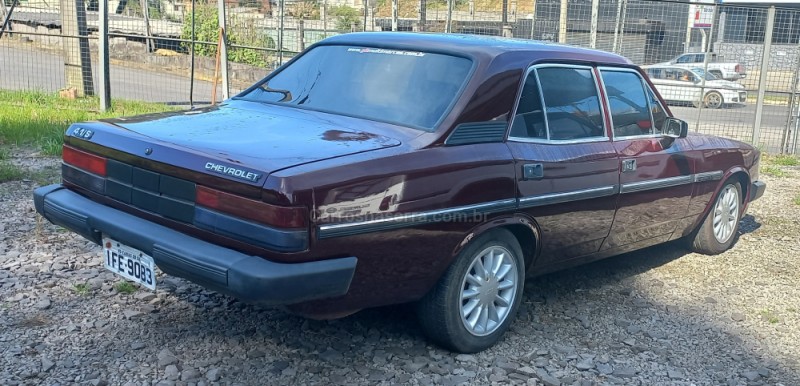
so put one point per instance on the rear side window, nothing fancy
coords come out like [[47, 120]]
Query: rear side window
[[529, 121], [571, 103], [571, 106]]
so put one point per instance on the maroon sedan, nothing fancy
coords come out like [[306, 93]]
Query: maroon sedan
[[381, 168]]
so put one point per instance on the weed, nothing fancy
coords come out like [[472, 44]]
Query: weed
[[769, 316], [773, 171], [9, 172], [40, 119], [81, 289], [783, 160], [125, 287]]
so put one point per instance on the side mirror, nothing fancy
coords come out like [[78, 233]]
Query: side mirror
[[676, 128]]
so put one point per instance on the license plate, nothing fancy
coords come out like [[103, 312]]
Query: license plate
[[129, 263]]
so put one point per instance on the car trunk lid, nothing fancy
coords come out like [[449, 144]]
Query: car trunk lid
[[267, 139]]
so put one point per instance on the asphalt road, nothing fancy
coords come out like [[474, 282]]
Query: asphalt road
[[773, 116], [28, 69]]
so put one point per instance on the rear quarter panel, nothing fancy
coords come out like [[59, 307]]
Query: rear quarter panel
[[402, 264], [733, 159]]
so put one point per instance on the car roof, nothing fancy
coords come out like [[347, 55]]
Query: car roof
[[473, 45]]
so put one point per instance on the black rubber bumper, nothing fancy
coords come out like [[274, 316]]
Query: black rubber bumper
[[757, 189], [249, 278]]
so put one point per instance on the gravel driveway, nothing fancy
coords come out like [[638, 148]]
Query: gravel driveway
[[658, 316]]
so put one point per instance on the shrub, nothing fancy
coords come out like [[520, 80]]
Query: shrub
[[346, 17], [241, 31]]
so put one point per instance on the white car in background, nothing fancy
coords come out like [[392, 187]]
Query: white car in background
[[685, 85]]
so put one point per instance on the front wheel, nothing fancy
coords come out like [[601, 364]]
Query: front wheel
[[719, 229], [477, 298], [713, 100]]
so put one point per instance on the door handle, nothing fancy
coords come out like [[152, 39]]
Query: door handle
[[628, 165], [532, 171]]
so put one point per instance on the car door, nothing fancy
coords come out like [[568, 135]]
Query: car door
[[567, 168], [656, 171]]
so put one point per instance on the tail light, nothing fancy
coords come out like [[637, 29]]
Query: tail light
[[262, 212], [738, 69], [83, 160]]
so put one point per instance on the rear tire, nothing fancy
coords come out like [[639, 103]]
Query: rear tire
[[477, 298], [721, 226]]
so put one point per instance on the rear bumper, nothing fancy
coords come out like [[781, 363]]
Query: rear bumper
[[249, 278], [757, 189]]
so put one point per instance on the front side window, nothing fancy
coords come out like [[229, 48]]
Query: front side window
[[410, 88], [657, 112], [571, 106], [630, 113]]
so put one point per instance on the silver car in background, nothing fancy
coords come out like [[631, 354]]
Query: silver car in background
[[685, 85]]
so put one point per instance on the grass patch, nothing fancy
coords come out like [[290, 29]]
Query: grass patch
[[769, 316], [783, 160], [40, 119], [9, 172], [796, 200], [81, 289], [125, 287], [774, 171]]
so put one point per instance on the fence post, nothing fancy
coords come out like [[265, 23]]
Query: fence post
[[562, 22], [366, 5], [394, 14], [280, 32], [616, 26], [762, 76], [706, 57], [533, 18], [324, 12], [301, 34], [593, 32], [448, 26], [77, 63], [423, 15], [102, 51], [223, 49], [149, 46]]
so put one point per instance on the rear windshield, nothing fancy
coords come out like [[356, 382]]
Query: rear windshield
[[410, 88]]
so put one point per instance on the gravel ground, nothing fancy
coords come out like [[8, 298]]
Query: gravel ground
[[655, 317]]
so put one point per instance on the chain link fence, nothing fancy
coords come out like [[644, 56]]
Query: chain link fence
[[728, 69]]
